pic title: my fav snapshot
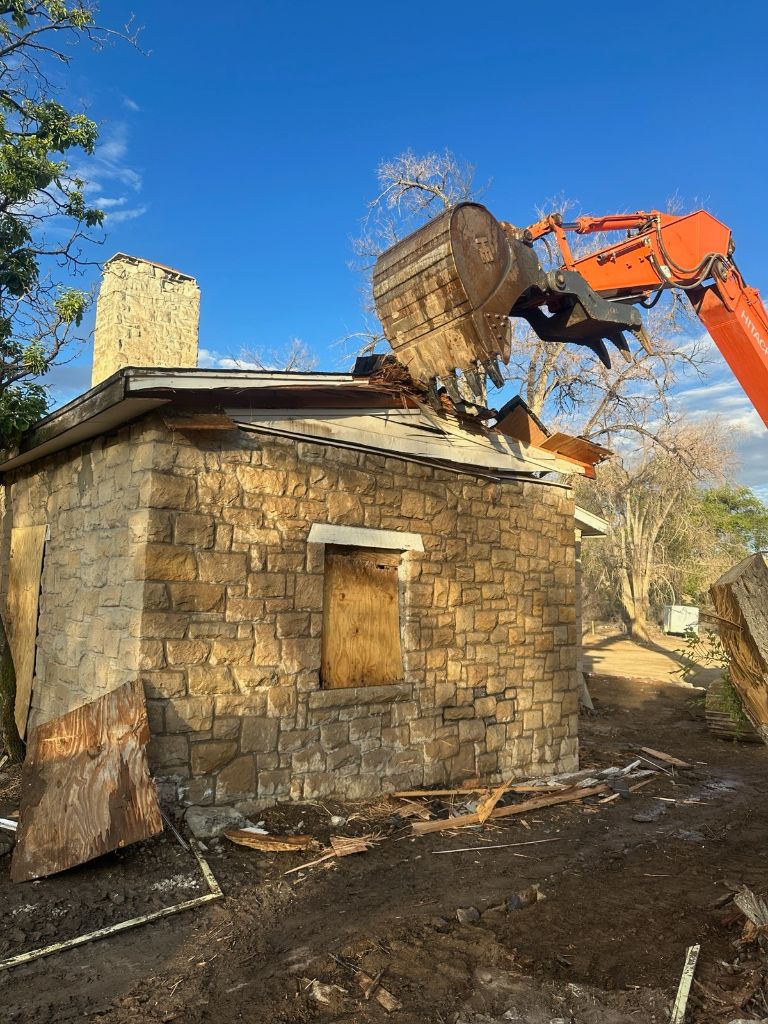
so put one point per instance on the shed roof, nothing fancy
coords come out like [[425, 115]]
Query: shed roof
[[335, 408]]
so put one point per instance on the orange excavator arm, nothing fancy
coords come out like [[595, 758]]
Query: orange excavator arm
[[693, 253], [446, 293]]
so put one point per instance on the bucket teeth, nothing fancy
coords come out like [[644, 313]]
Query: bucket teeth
[[491, 367]]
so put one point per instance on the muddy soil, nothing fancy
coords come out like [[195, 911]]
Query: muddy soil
[[628, 886]]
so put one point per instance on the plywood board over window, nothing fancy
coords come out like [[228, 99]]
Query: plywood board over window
[[24, 571], [361, 618]]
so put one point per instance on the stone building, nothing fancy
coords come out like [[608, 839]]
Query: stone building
[[326, 588]]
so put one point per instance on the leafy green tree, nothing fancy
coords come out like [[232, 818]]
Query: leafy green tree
[[45, 219], [737, 517]]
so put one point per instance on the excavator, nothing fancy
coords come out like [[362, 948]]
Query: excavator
[[445, 294]]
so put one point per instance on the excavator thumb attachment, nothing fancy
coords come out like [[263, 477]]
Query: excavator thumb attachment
[[445, 293]]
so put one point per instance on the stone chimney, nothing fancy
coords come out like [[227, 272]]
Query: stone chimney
[[146, 315]]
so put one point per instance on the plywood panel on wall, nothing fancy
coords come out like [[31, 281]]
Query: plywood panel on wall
[[361, 618], [24, 569], [85, 786]]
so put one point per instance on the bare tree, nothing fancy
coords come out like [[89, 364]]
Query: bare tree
[[412, 189], [649, 498], [295, 356]]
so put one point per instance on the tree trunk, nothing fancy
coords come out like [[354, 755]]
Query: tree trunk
[[8, 732], [740, 598], [634, 597]]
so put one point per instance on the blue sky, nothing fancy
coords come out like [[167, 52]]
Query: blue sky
[[242, 148]]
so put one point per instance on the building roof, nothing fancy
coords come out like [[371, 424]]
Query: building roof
[[589, 524], [338, 408]]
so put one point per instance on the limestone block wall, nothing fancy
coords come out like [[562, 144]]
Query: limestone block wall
[[92, 588], [146, 315], [232, 624]]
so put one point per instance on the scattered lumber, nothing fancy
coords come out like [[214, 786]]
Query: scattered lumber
[[410, 794], [85, 786], [740, 598], [486, 806], [411, 809], [548, 800], [372, 988], [269, 844], [637, 785], [214, 893], [684, 988], [666, 758], [343, 846]]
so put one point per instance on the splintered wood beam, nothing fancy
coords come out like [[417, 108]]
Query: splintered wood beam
[[269, 844], [85, 786], [24, 570], [551, 800]]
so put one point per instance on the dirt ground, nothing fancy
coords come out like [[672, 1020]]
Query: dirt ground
[[628, 886]]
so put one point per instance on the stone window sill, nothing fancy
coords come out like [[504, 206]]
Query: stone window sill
[[347, 696]]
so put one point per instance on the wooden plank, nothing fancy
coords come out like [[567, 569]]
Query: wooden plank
[[214, 893], [270, 844], [199, 421], [85, 786], [24, 570], [486, 806], [361, 619], [666, 758], [371, 987], [684, 988], [421, 827], [516, 420]]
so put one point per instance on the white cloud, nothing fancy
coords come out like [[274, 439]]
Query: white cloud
[[120, 216], [722, 396], [131, 105], [111, 182], [216, 361]]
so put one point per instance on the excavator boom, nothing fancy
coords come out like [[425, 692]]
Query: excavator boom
[[445, 293]]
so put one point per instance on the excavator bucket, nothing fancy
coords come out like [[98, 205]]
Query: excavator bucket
[[444, 293]]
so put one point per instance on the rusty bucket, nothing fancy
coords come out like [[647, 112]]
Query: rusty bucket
[[444, 293]]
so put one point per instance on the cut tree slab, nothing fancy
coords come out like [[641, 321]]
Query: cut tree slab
[[740, 598], [85, 786]]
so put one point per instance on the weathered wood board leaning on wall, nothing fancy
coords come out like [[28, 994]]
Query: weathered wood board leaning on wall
[[740, 598], [24, 568], [85, 786]]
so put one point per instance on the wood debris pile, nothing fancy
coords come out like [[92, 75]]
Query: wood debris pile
[[740, 992], [475, 805]]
